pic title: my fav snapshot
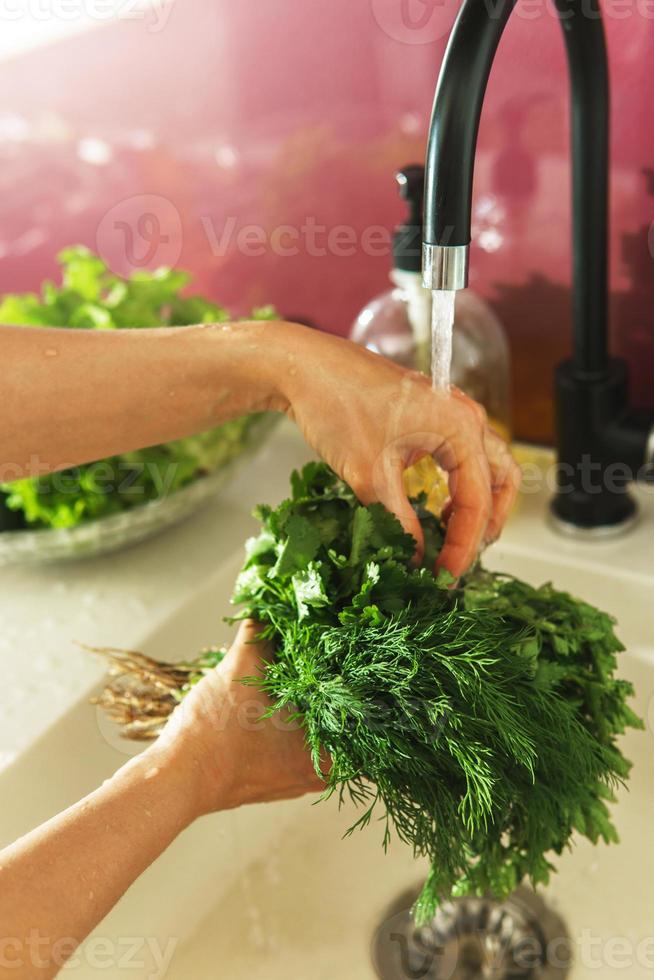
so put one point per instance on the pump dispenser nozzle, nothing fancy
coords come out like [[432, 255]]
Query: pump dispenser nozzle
[[407, 238]]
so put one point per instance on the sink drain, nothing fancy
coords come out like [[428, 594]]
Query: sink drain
[[474, 939]]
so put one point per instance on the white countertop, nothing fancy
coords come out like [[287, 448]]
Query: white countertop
[[116, 599]]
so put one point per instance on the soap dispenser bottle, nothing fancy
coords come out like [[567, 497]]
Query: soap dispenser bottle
[[397, 324]]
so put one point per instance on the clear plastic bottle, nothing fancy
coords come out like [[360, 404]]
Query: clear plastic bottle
[[397, 324]]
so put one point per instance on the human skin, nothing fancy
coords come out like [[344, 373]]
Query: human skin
[[71, 397], [74, 396], [60, 880]]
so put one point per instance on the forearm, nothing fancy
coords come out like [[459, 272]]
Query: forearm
[[60, 880], [73, 396]]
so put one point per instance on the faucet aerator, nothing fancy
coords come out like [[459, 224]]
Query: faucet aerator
[[445, 266]]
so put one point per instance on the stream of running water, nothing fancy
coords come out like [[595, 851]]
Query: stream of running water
[[442, 322]]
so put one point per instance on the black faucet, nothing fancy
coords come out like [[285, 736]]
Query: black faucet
[[602, 445]]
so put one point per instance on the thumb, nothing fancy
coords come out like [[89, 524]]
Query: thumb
[[246, 648]]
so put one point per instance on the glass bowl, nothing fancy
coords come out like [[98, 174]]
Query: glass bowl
[[106, 534]]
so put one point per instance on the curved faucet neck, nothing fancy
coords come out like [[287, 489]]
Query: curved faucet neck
[[453, 140]]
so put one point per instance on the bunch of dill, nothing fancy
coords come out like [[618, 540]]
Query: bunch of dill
[[481, 719]]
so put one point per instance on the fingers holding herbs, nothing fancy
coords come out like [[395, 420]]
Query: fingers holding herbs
[[223, 730], [370, 419]]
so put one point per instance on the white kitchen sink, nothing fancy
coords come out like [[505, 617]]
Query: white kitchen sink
[[310, 903], [274, 891]]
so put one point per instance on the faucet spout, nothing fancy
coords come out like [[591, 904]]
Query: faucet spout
[[451, 154]]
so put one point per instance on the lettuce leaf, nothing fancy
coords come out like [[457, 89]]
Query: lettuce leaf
[[91, 297]]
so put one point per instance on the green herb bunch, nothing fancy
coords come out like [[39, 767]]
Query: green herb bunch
[[91, 297], [481, 718]]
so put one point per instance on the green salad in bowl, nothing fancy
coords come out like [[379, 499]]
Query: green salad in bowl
[[102, 505]]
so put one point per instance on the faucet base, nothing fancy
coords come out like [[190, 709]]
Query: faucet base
[[601, 450], [562, 524]]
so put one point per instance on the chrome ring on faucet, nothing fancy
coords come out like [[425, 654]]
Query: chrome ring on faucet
[[445, 266]]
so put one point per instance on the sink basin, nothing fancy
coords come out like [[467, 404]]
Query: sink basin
[[311, 903], [274, 892]]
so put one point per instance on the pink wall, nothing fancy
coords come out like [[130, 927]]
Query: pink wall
[[159, 142]]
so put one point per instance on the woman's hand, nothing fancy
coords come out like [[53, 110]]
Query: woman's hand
[[370, 420], [218, 733]]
